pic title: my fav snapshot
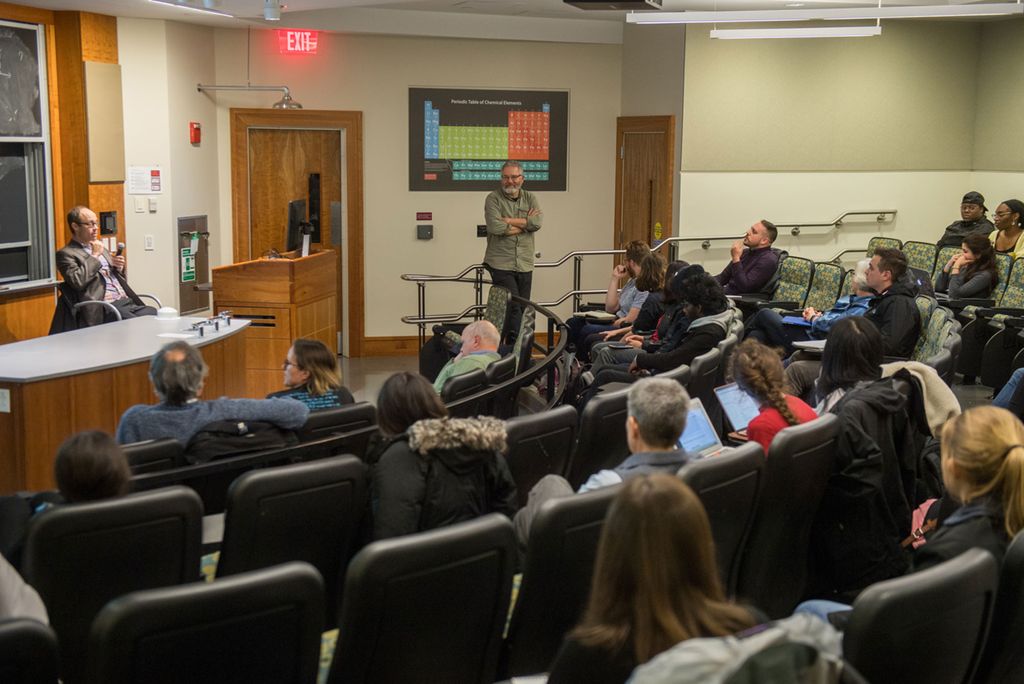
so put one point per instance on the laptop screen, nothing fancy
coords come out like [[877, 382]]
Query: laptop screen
[[699, 436], [739, 407]]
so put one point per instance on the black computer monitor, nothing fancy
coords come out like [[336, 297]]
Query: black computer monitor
[[296, 217]]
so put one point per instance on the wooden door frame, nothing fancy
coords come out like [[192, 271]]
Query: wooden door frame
[[352, 124], [645, 124]]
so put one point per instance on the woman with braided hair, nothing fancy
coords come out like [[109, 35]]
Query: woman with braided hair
[[757, 369]]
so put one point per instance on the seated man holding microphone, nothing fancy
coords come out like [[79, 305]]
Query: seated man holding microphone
[[92, 273]]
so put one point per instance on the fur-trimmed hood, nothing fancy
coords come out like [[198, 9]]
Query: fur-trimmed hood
[[462, 434]]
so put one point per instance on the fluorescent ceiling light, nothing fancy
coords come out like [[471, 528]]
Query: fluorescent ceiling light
[[843, 13], [817, 32], [179, 5]]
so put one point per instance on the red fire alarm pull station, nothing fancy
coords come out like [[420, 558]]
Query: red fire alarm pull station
[[195, 132]]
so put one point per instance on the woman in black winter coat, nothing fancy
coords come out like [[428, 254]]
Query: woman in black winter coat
[[441, 470]]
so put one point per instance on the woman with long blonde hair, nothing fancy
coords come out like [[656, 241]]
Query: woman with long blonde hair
[[655, 584], [983, 470]]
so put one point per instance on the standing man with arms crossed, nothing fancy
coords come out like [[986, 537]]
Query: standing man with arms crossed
[[512, 215], [92, 273]]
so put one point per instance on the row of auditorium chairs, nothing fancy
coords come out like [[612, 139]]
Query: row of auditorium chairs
[[432, 606]]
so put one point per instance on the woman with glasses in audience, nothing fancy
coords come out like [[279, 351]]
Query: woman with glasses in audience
[[311, 375], [655, 584], [757, 369], [972, 272], [1008, 237]]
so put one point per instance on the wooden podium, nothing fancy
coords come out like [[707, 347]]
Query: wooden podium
[[282, 299]]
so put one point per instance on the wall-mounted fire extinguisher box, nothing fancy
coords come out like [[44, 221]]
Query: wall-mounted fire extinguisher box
[[195, 132]]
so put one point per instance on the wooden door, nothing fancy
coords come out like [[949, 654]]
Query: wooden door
[[280, 164], [643, 178]]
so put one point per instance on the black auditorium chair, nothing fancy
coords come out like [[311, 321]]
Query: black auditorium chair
[[602, 442], [556, 579], [502, 404], [774, 572], [79, 557], [726, 348], [427, 607], [337, 421], [728, 485], [704, 371], [947, 607], [154, 455], [462, 386], [260, 626], [1003, 659], [28, 652], [305, 512], [539, 444], [680, 374]]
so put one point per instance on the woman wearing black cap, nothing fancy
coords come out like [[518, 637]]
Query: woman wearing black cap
[[1008, 237]]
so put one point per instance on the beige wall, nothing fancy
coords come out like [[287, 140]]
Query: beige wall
[[190, 58], [142, 48], [999, 124], [372, 75], [860, 90], [161, 64], [895, 102], [652, 81]]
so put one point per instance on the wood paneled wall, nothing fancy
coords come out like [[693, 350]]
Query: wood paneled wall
[[71, 39]]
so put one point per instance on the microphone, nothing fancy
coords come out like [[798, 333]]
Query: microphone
[[120, 249]]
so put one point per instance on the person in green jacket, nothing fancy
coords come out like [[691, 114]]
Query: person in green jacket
[[512, 215], [479, 350]]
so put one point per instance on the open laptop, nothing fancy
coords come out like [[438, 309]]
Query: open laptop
[[740, 408], [699, 437]]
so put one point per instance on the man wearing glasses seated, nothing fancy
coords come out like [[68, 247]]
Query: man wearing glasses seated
[[92, 273], [513, 215]]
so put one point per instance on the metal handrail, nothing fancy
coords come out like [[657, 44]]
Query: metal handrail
[[421, 319], [552, 354]]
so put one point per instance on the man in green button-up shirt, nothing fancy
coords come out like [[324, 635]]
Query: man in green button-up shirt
[[513, 215]]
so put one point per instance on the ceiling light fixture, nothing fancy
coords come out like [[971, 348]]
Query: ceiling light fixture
[[817, 32], [845, 13], [272, 10], [205, 9]]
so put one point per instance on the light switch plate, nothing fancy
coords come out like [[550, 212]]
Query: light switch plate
[[148, 242], [5, 401]]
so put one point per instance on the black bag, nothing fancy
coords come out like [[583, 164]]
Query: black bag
[[234, 437]]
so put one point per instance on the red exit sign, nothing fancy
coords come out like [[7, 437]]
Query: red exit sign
[[297, 41]]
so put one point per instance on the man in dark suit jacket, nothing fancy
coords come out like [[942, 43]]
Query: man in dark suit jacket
[[92, 273]]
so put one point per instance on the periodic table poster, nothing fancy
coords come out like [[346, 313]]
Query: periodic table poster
[[459, 138]]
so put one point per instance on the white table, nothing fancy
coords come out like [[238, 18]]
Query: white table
[[52, 387]]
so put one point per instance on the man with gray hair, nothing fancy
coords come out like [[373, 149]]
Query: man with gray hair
[[769, 327], [479, 349], [178, 372], [655, 419], [512, 216]]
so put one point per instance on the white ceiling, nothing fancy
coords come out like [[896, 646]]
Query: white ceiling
[[426, 17]]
